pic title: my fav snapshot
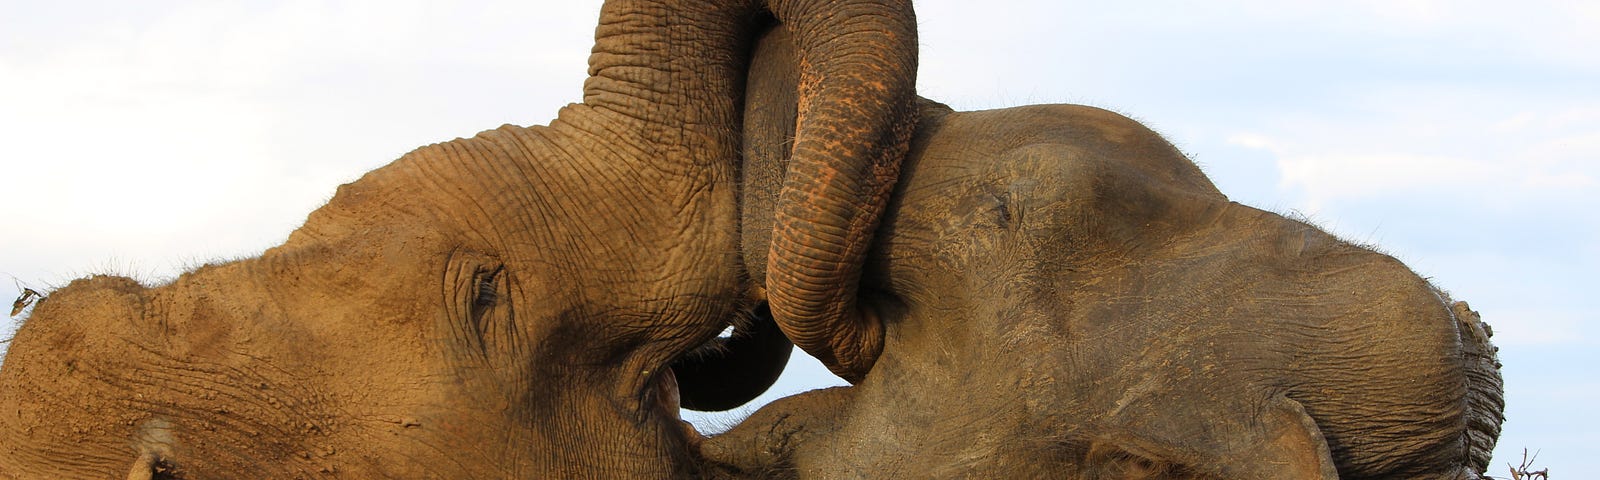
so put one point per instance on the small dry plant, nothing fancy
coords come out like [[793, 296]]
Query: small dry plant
[[1521, 472]]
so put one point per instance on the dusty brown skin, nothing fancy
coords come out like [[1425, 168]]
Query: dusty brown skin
[[1067, 296], [504, 306]]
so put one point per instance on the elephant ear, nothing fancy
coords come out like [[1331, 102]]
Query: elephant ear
[[1189, 434], [1287, 444]]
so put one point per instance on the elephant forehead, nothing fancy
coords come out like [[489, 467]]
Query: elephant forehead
[[1045, 201]]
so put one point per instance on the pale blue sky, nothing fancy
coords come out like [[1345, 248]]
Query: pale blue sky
[[1461, 136]]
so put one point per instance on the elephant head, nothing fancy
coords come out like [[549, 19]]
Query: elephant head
[[501, 306], [1067, 296]]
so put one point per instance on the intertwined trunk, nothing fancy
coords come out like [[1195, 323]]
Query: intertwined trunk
[[675, 70]]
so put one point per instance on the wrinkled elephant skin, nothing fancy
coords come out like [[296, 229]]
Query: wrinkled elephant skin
[[502, 306], [1066, 296]]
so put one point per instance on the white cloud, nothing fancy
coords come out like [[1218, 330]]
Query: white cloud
[[1568, 181], [1552, 30], [1326, 178], [1406, 12], [1253, 141], [205, 129], [1440, 142]]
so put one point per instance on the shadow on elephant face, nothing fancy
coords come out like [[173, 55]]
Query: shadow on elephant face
[[398, 320]]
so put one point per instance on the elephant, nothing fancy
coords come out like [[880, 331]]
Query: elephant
[[509, 305], [1065, 295]]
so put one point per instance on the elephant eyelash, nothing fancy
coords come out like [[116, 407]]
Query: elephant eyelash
[[487, 293]]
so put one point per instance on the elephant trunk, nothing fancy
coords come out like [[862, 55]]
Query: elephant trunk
[[840, 177], [675, 71], [831, 323]]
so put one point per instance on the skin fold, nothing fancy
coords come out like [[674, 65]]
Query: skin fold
[[502, 306], [1066, 296]]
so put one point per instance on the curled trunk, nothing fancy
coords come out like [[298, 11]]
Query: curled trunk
[[815, 301], [856, 92], [838, 183]]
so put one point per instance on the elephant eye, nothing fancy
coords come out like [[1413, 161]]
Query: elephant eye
[[487, 292]]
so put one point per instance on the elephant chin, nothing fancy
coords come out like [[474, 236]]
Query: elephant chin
[[730, 371]]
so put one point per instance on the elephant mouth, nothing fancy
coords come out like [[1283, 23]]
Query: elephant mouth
[[729, 370]]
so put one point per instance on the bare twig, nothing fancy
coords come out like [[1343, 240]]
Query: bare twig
[[1521, 472]]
